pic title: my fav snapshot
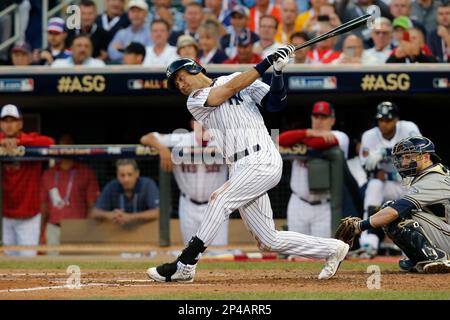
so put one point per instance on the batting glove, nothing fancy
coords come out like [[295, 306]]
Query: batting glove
[[281, 57], [373, 159]]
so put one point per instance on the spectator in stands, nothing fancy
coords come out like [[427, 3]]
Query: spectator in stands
[[209, 35], [382, 40], [329, 10], [416, 35], [400, 27], [290, 21], [400, 8], [323, 52], [307, 21], [215, 10], [309, 211], [69, 191], [21, 54], [134, 54], [239, 20], [81, 54], [349, 10], [161, 52], [56, 49], [266, 45], [99, 38], [128, 198], [353, 52], [138, 31], [424, 12], [187, 47], [245, 53], [410, 51], [297, 38], [113, 19], [439, 39], [193, 17], [21, 183], [163, 9], [263, 8]]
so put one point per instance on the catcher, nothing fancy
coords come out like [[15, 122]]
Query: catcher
[[418, 222]]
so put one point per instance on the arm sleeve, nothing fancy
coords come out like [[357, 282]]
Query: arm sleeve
[[35, 140], [403, 206], [152, 196], [276, 99], [197, 103], [291, 137], [319, 143]]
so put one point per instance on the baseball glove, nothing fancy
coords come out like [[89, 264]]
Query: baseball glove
[[348, 229]]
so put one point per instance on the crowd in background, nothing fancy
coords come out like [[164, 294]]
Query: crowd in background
[[155, 32]]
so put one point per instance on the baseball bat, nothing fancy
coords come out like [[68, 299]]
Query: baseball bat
[[343, 28]]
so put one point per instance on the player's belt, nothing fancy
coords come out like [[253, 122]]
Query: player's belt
[[199, 203], [241, 154], [315, 203]]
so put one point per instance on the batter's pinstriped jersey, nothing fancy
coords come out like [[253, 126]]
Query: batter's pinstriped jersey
[[197, 181], [236, 124]]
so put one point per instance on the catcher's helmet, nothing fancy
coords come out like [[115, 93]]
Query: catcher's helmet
[[410, 146], [386, 110], [182, 63]]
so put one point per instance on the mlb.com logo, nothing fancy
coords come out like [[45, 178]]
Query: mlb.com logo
[[135, 84]]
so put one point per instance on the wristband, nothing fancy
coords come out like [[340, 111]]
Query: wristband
[[365, 225], [263, 66]]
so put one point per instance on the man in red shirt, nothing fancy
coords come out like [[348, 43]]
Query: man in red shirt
[[69, 191], [21, 181], [245, 49], [323, 53]]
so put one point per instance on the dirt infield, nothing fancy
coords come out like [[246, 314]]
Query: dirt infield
[[260, 280]]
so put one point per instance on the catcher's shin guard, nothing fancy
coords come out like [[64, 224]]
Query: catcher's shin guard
[[409, 236]]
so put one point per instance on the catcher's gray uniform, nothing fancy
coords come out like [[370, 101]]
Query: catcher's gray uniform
[[428, 203]]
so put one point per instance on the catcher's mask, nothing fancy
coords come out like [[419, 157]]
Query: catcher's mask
[[182, 63], [407, 151]]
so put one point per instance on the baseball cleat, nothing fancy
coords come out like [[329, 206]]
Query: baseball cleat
[[333, 262], [172, 272], [407, 265], [441, 266]]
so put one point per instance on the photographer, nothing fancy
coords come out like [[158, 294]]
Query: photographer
[[410, 51]]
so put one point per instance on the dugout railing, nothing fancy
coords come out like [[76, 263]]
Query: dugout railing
[[328, 167]]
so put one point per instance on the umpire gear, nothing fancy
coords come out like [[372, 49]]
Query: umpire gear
[[387, 110], [183, 63]]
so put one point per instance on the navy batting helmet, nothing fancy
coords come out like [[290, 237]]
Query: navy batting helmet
[[408, 147], [182, 63], [386, 110]]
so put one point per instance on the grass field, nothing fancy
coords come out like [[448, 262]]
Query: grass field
[[114, 278]]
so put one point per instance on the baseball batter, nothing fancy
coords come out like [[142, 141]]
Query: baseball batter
[[384, 181], [418, 222], [195, 181], [310, 212], [228, 107]]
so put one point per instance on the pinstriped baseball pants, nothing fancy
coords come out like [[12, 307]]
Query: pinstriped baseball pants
[[246, 190]]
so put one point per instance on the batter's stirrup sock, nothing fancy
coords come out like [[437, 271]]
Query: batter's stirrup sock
[[192, 251]]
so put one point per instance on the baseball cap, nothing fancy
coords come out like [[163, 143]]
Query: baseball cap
[[323, 108], [386, 110], [55, 25], [139, 4], [10, 110], [135, 47], [402, 22], [240, 10], [186, 40], [21, 47], [246, 37]]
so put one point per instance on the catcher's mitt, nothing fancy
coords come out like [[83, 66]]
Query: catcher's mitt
[[348, 229]]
